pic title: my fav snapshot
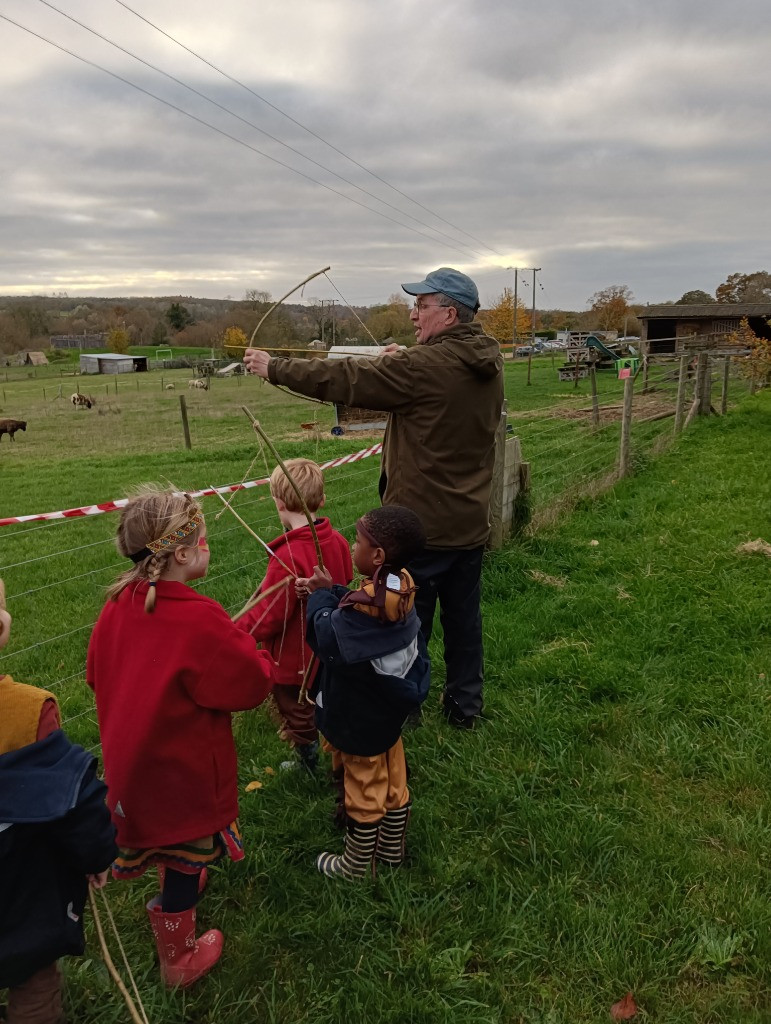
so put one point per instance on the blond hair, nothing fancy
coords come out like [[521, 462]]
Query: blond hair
[[310, 483], [150, 514]]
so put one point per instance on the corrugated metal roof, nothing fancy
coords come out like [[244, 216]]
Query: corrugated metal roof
[[712, 310]]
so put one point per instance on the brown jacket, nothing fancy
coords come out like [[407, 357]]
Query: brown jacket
[[444, 401]]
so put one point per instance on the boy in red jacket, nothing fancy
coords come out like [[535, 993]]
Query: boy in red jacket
[[278, 621]]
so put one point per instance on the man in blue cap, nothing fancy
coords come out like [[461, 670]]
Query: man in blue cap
[[444, 398]]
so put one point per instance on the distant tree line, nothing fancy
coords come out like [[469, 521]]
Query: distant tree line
[[27, 323]]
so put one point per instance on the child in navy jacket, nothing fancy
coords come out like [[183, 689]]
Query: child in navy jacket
[[374, 673], [55, 838]]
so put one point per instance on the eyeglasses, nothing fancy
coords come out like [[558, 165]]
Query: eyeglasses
[[418, 307]]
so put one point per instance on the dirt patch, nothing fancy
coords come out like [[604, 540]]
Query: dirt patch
[[645, 406]]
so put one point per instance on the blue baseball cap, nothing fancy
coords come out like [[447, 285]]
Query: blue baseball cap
[[451, 282]]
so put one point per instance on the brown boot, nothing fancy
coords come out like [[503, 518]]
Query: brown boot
[[38, 1000], [184, 959]]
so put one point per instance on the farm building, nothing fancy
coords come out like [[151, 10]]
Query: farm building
[[680, 329], [32, 359], [77, 340], [112, 362], [348, 417]]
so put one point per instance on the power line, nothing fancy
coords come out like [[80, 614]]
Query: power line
[[250, 124], [221, 131], [305, 128]]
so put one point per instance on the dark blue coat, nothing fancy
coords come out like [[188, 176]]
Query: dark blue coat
[[54, 830], [359, 710]]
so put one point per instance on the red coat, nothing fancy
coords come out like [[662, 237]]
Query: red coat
[[165, 685], [279, 620]]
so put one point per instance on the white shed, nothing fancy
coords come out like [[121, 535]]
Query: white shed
[[111, 362]]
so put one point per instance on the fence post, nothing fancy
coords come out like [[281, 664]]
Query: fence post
[[185, 426], [496, 491], [681, 382], [703, 384], [646, 363], [595, 400], [724, 395], [626, 423]]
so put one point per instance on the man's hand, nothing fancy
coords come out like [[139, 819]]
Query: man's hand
[[98, 881], [388, 350], [320, 580], [256, 362]]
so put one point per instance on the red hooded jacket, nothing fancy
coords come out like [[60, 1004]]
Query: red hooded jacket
[[165, 686], [279, 620]]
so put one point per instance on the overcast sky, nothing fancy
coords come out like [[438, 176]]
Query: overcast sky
[[607, 142]]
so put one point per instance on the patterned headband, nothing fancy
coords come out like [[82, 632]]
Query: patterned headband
[[169, 539]]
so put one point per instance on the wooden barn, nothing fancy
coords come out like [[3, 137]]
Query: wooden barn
[[682, 329]]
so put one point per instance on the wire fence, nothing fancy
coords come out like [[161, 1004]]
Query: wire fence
[[56, 572]]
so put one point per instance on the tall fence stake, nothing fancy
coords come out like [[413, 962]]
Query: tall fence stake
[[682, 380], [724, 395], [185, 426], [626, 424], [703, 384], [595, 400]]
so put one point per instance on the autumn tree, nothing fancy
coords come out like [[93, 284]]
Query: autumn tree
[[118, 340], [757, 365], [160, 335], [391, 320], [754, 287], [696, 297], [498, 321], [610, 306], [234, 341]]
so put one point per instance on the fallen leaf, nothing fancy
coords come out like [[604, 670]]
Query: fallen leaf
[[594, 543], [624, 1009], [544, 577], [754, 547], [269, 771], [251, 786]]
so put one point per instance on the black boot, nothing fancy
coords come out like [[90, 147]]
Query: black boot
[[358, 857]]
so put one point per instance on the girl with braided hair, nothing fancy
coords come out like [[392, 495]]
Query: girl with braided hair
[[168, 667]]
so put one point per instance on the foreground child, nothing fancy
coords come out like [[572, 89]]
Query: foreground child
[[278, 621], [55, 838], [168, 667], [375, 672]]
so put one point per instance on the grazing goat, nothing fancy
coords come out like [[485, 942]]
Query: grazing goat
[[10, 427], [202, 384], [81, 401]]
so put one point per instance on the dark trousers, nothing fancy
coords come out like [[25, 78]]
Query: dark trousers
[[453, 577]]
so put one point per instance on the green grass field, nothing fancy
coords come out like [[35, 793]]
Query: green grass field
[[605, 830]]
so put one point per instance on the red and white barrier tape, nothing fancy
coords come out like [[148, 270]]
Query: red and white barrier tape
[[113, 506]]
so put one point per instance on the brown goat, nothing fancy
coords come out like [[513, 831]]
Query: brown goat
[[10, 427]]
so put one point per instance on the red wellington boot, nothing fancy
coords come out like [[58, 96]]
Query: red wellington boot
[[184, 959]]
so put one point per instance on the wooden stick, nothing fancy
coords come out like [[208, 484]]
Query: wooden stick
[[248, 528], [260, 596], [2, 602], [290, 478], [290, 292], [110, 965]]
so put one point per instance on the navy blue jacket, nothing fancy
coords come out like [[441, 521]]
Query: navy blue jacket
[[358, 709], [54, 830]]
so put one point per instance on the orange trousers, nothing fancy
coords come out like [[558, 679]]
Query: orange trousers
[[373, 785]]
